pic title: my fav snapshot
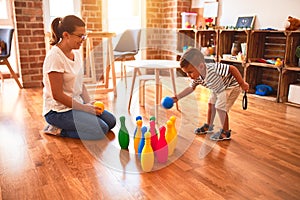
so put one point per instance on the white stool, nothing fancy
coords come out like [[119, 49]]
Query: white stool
[[142, 83], [2, 79]]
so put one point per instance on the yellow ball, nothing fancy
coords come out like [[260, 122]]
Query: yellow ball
[[278, 62], [100, 105]]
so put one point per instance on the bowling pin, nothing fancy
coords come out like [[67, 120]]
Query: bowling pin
[[142, 141], [173, 119], [136, 119], [171, 137], [138, 135], [147, 155], [154, 137], [123, 135], [161, 152]]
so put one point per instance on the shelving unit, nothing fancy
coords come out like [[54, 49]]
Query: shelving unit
[[185, 38], [291, 70], [226, 40], [262, 47], [265, 45]]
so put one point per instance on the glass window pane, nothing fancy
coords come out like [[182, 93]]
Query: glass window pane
[[3, 10]]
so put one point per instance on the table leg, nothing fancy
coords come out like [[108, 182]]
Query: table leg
[[112, 63], [132, 87], [172, 74], [157, 100]]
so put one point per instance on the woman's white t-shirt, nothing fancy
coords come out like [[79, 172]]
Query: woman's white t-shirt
[[56, 61]]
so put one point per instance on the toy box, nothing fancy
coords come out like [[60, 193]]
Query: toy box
[[294, 93], [188, 19]]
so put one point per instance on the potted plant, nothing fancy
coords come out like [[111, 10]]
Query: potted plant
[[298, 55]]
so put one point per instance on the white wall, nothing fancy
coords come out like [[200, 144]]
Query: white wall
[[269, 13]]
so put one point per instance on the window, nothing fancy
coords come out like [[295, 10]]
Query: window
[[3, 10], [59, 8]]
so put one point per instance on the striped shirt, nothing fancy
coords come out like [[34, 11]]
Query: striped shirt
[[217, 79]]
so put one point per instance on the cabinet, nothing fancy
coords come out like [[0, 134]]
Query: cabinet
[[185, 38], [228, 39], [265, 46], [261, 49], [199, 39], [291, 70]]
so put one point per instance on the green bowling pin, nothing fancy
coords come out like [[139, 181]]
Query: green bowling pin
[[123, 135]]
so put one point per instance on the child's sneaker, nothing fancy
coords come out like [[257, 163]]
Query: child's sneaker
[[204, 129], [221, 135], [52, 130]]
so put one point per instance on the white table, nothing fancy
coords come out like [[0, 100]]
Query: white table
[[156, 65]]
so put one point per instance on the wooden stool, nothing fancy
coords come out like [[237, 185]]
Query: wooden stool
[[142, 83]]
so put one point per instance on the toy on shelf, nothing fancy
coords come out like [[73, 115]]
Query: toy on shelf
[[292, 24]]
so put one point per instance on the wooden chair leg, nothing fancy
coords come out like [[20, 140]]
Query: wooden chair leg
[[160, 90], [125, 75], [5, 61], [142, 92], [107, 71], [121, 70]]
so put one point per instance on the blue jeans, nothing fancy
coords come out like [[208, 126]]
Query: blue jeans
[[83, 125]]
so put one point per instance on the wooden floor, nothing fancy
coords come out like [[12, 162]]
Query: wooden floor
[[262, 161]]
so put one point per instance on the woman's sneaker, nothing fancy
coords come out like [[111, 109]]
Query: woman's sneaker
[[221, 135], [52, 130], [204, 129]]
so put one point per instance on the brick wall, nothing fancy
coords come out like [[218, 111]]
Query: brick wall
[[163, 17], [30, 31], [92, 15]]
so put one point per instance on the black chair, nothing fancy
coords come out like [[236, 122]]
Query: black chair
[[126, 48], [6, 35]]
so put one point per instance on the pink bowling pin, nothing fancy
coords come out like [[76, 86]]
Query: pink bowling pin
[[162, 146], [154, 138]]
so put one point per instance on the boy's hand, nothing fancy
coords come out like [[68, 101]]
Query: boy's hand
[[175, 99], [245, 86]]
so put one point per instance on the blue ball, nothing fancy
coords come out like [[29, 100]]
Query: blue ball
[[167, 102]]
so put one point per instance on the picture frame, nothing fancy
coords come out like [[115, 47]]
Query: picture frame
[[245, 22]]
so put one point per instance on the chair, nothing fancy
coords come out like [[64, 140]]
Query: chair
[[126, 48], [6, 35]]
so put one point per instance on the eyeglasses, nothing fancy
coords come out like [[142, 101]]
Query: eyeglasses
[[83, 37]]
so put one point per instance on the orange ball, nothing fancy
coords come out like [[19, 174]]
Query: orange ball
[[100, 105]]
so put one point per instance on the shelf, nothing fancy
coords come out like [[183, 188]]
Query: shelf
[[258, 64], [227, 38], [291, 68], [261, 45], [232, 61]]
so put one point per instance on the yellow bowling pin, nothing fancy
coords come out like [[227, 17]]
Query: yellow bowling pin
[[147, 155], [171, 137], [173, 119]]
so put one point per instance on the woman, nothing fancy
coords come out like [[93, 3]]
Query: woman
[[67, 107]]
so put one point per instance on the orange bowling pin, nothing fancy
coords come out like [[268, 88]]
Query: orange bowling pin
[[138, 135]]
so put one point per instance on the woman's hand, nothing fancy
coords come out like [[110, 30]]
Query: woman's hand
[[90, 108]]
